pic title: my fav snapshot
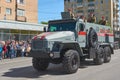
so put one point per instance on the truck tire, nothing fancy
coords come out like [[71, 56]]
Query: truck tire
[[108, 53], [40, 64], [99, 56], [71, 61], [92, 38]]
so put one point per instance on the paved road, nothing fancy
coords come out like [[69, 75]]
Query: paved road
[[21, 69]]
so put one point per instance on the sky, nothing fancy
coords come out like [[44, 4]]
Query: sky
[[50, 9]]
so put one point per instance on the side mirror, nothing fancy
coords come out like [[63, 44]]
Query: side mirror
[[44, 29]]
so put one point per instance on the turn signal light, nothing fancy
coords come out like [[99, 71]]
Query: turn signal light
[[42, 37], [35, 38]]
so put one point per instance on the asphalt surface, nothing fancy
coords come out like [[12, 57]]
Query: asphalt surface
[[21, 69]]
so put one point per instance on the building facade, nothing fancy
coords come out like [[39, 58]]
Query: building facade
[[116, 15], [107, 8], [14, 30], [116, 21], [19, 10]]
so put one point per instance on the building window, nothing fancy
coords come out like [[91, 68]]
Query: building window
[[72, 0], [101, 1], [91, 0], [107, 1], [91, 4], [106, 17], [8, 11], [79, 1], [91, 10], [8, 0], [67, 0], [20, 12], [80, 11], [20, 1]]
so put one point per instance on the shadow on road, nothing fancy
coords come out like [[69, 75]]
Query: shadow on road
[[29, 72], [87, 63]]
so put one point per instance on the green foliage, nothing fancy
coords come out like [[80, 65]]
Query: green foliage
[[44, 22]]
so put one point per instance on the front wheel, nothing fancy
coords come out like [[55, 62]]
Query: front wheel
[[71, 61], [40, 64]]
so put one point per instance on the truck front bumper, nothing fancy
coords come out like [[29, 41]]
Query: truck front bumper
[[43, 54], [39, 53]]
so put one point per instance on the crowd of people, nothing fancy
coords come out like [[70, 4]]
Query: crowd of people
[[12, 49]]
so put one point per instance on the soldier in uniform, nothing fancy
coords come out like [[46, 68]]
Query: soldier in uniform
[[92, 18], [71, 13], [102, 21]]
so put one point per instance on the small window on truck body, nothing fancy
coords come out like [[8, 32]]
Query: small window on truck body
[[81, 27]]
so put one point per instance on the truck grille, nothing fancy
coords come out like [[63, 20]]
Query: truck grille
[[39, 44]]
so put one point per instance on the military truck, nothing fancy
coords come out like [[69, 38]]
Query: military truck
[[70, 42]]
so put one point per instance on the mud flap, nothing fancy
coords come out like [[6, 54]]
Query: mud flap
[[92, 53]]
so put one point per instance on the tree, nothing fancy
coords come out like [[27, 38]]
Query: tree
[[43, 22]]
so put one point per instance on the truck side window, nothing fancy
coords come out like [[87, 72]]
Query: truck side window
[[81, 27]]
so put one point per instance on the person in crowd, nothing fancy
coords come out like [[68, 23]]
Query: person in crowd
[[15, 49], [4, 50], [18, 48], [1, 49], [12, 49], [23, 49], [28, 48], [8, 50]]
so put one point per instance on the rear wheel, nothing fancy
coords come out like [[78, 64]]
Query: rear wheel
[[40, 64], [71, 61], [99, 56], [108, 53]]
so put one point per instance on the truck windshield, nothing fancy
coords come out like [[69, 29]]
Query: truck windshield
[[64, 26]]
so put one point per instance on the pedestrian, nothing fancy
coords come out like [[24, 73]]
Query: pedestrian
[[28, 48], [1, 49], [8, 50], [15, 50], [23, 49], [12, 50], [18, 49], [4, 50]]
